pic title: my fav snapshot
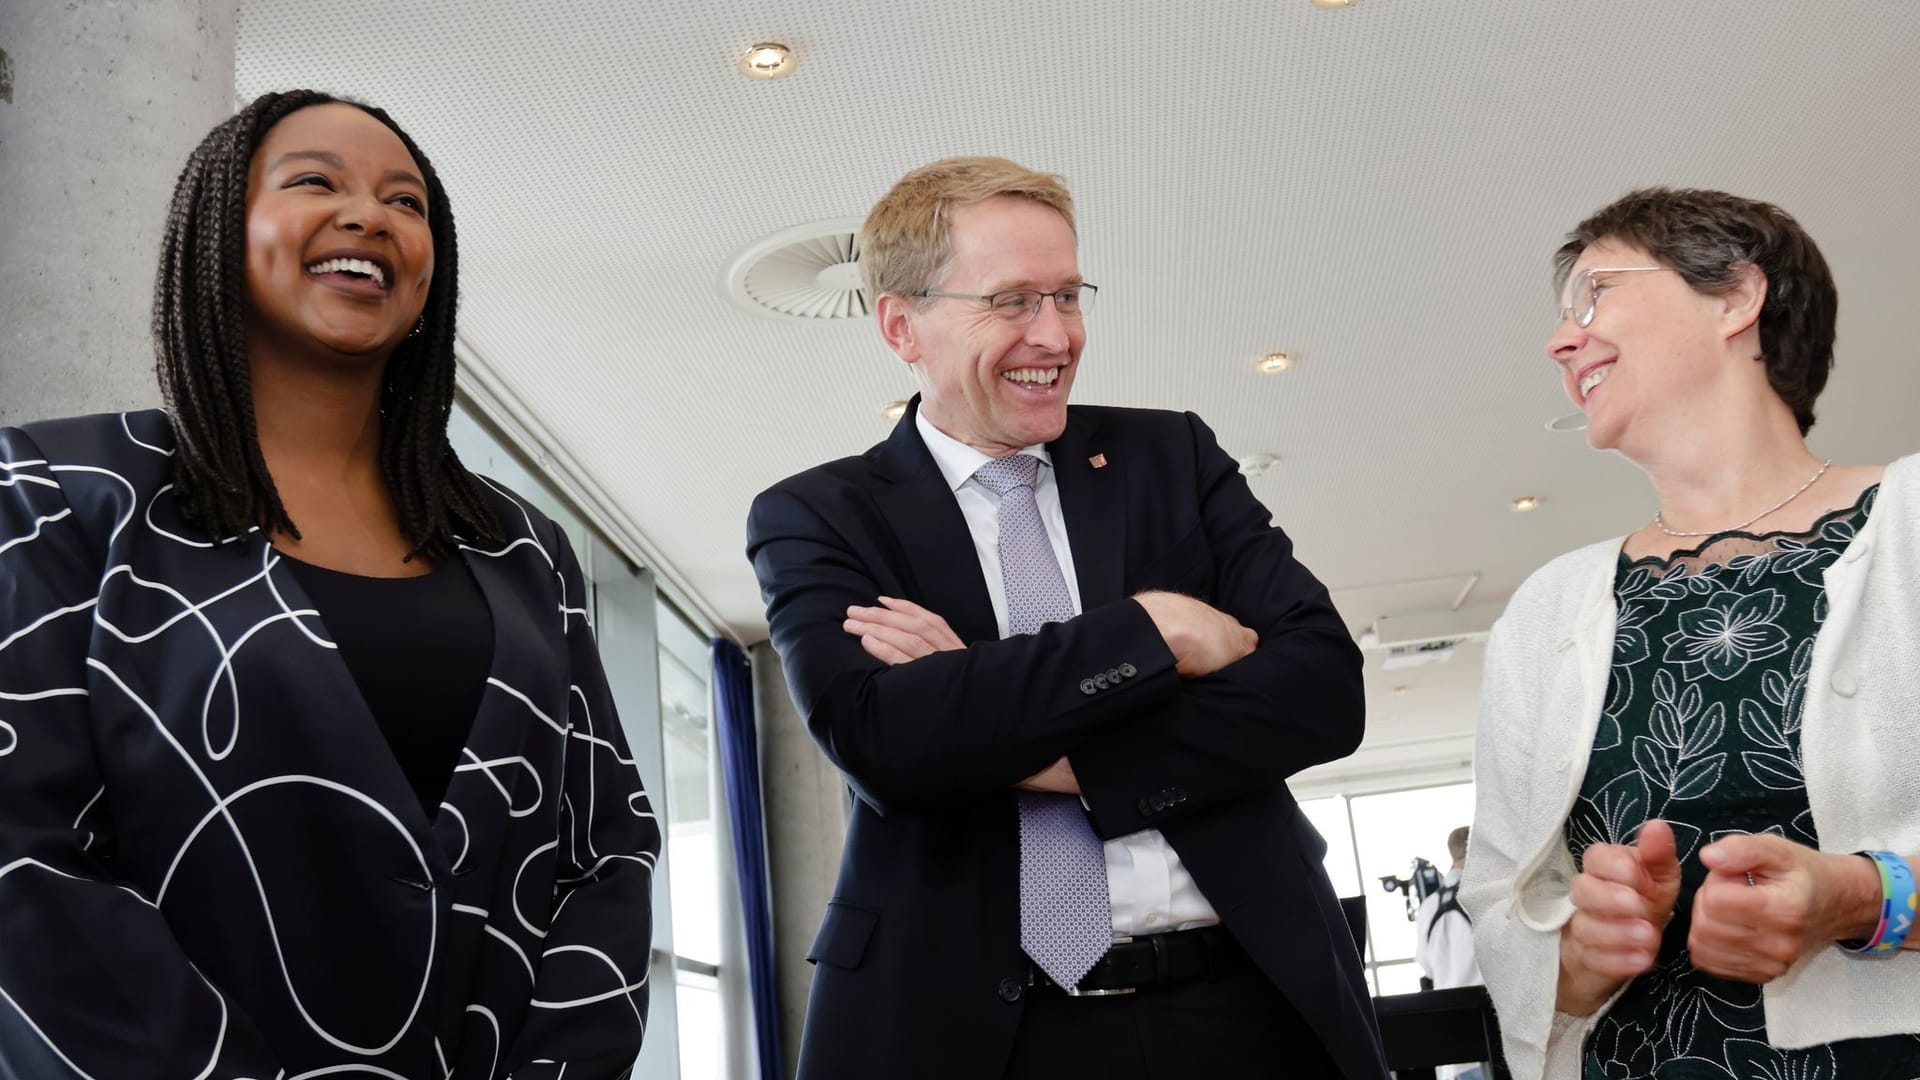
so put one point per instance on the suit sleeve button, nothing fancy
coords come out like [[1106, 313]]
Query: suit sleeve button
[[1146, 808], [1114, 676], [1087, 687], [1010, 990], [1158, 802], [1101, 681], [1128, 671]]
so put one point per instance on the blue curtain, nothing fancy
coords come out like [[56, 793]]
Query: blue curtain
[[740, 766]]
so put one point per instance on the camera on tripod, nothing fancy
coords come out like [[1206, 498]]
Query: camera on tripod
[[1420, 883]]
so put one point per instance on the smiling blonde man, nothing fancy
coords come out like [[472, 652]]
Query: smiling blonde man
[[1067, 665]]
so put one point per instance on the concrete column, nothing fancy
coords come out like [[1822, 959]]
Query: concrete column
[[806, 806], [101, 101]]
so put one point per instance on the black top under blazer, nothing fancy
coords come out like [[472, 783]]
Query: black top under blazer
[[211, 864], [919, 968]]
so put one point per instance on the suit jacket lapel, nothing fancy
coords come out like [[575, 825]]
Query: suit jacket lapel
[[355, 734], [1094, 501], [942, 569]]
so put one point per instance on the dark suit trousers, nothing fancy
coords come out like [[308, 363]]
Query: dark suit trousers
[[1235, 1027]]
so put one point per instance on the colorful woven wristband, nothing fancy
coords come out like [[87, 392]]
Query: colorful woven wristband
[[1899, 905]]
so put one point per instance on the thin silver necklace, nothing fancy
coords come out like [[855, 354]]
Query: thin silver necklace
[[1811, 480]]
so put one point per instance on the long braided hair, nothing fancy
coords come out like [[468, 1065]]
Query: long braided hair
[[199, 330]]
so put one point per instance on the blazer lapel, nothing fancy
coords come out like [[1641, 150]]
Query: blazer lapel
[[943, 571], [365, 754], [1093, 498], [498, 773]]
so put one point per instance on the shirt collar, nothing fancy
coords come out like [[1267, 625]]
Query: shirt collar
[[958, 461]]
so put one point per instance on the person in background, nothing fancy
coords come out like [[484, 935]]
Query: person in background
[[307, 761], [1067, 663], [1443, 935], [1697, 812], [1443, 939]]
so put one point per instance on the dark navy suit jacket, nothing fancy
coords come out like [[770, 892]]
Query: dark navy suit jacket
[[211, 864], [919, 968]]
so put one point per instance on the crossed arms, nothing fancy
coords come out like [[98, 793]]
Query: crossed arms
[[1228, 698]]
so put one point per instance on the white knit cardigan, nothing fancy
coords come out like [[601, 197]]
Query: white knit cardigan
[[1547, 668]]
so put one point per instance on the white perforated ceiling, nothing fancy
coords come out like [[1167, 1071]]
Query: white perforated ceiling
[[1377, 188]]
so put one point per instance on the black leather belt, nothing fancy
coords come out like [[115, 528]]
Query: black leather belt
[[1157, 960]]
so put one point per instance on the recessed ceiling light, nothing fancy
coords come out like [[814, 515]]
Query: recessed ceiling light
[[894, 410], [1525, 503], [767, 60], [1332, 3], [1273, 363], [1573, 421], [1401, 691], [1255, 464]]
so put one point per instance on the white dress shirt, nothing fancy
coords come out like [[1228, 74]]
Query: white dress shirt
[[1151, 891]]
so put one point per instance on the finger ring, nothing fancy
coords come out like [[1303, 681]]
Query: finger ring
[[1750, 881]]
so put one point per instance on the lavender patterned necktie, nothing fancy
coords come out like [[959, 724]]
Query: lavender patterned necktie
[[1066, 917]]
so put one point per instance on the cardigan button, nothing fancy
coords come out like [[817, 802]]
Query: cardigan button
[[1844, 684]]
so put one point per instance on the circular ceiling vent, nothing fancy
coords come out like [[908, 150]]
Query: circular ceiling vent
[[809, 273]]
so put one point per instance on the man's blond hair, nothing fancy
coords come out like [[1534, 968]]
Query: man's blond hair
[[907, 238]]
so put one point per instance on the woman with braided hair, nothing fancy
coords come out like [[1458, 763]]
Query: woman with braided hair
[[308, 765]]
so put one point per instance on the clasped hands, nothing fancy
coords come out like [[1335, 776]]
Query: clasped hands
[[1765, 903], [1202, 638]]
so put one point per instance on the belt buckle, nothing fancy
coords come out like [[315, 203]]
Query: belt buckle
[[1074, 991], [1115, 992]]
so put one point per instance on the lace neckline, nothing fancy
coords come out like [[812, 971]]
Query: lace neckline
[[1812, 531]]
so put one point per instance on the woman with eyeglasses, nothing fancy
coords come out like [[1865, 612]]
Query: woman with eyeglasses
[[308, 765], [1698, 753]]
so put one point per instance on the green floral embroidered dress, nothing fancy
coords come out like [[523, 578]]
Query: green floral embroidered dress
[[1702, 728]]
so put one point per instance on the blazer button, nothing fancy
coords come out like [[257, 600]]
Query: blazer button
[[1087, 687], [1128, 671], [1101, 681], [1146, 808], [1158, 802], [1010, 990], [1114, 676]]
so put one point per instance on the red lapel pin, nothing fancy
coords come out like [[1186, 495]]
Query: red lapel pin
[[1098, 461]]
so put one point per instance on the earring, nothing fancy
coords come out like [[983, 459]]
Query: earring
[[419, 326]]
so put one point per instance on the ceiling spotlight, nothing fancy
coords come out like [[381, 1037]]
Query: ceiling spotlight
[[1332, 3], [767, 60], [1573, 421], [1273, 363], [894, 410], [1525, 503], [1401, 691], [1254, 464]]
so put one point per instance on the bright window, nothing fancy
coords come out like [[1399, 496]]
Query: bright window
[[1377, 836]]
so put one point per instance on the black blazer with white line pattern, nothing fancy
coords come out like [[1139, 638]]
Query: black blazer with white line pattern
[[211, 865]]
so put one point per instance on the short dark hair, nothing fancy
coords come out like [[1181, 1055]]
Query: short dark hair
[[199, 330], [1702, 235]]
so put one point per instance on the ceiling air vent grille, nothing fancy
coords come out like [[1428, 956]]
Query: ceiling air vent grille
[[809, 273]]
